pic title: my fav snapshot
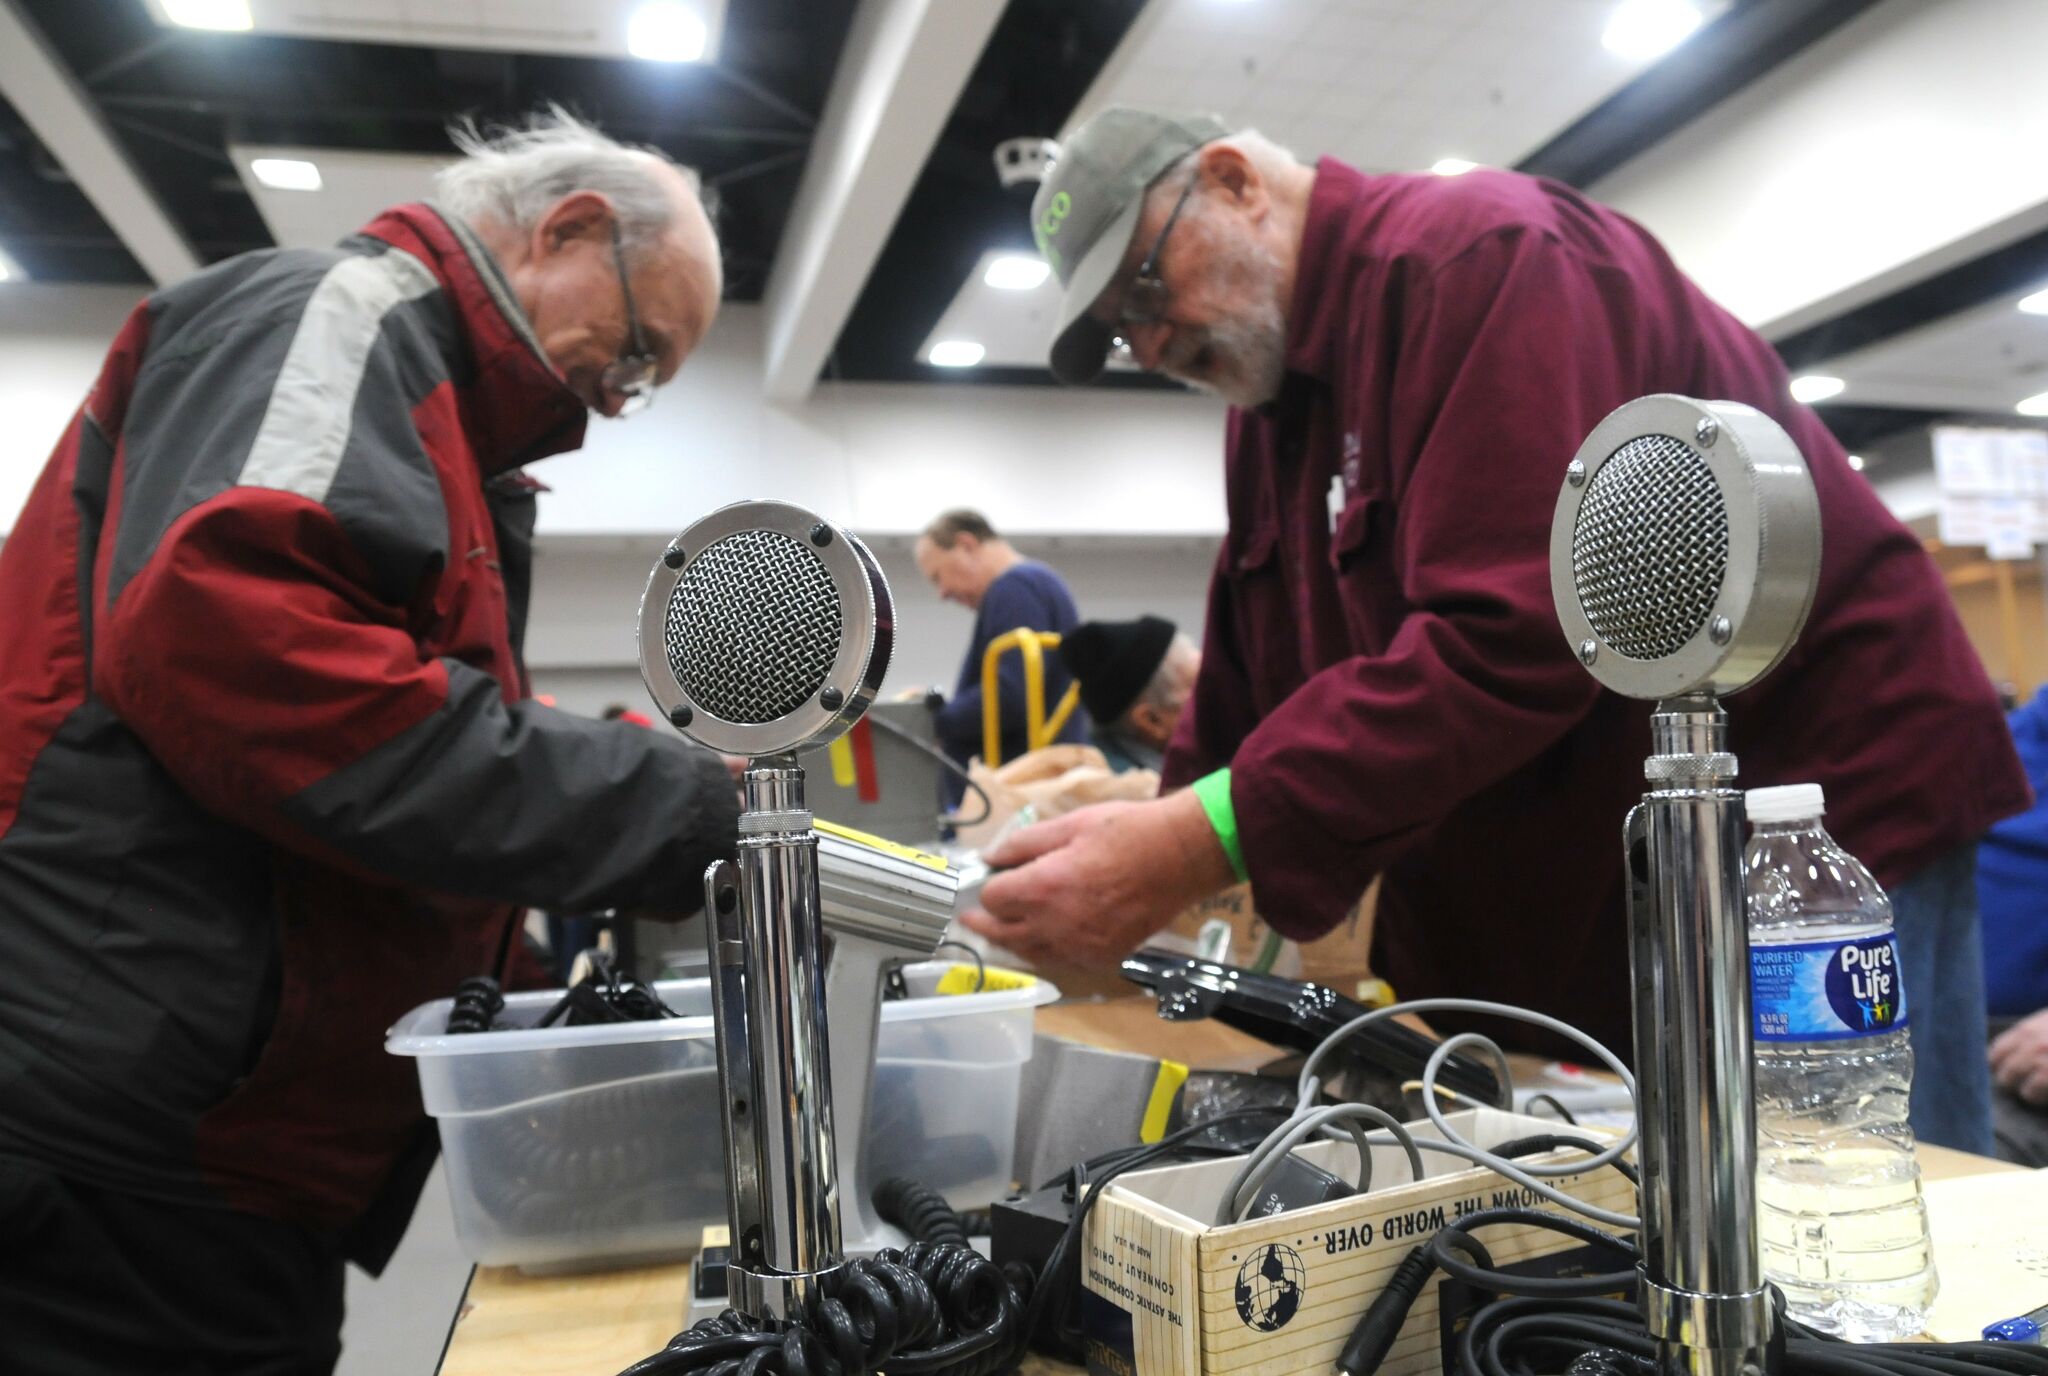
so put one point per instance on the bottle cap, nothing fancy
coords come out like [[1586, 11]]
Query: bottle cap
[[1791, 803]]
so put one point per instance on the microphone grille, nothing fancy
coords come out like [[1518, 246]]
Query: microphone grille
[[753, 626], [1649, 551]]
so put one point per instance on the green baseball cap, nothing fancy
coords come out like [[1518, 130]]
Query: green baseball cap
[[1087, 209]]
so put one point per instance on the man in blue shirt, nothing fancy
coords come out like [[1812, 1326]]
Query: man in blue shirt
[[2012, 894], [961, 555]]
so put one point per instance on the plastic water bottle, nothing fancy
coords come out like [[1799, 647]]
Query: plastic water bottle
[[1841, 1219]]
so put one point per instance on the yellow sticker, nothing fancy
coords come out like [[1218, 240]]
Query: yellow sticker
[[900, 851], [964, 979]]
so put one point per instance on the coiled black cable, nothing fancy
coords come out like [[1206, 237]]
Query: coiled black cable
[[932, 1309], [920, 1211], [478, 1001]]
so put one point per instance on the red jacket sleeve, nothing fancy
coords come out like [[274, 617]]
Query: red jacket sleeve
[[252, 659], [1510, 353]]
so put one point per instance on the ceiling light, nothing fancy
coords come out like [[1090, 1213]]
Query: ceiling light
[[1856, 462], [10, 271], [1814, 387], [1452, 167], [2037, 304], [1644, 29], [2035, 405], [1016, 272], [230, 15], [664, 31], [286, 174], [955, 353]]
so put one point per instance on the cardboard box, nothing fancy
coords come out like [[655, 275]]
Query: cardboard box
[[1171, 1293]]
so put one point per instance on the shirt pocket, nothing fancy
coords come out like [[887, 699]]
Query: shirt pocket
[[1362, 568]]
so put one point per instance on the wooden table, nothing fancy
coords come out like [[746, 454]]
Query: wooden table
[[510, 1324]]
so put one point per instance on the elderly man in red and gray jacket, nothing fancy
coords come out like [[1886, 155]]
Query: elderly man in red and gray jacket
[[1413, 360], [270, 773]]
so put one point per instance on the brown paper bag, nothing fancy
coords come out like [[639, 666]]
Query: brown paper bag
[[1051, 782]]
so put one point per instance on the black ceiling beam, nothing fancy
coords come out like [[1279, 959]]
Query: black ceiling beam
[[318, 114], [2001, 272], [1857, 426], [1039, 62], [1742, 45]]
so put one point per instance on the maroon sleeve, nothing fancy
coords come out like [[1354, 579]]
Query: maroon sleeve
[[1219, 714], [1511, 353]]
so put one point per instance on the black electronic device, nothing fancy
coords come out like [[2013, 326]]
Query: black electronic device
[[1300, 1015]]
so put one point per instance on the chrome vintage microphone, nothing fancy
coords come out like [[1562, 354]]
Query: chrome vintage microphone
[[1683, 559], [764, 629]]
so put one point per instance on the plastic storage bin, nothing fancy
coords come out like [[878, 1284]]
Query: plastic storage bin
[[574, 1147]]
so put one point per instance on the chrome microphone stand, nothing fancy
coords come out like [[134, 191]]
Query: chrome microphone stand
[[1702, 1289], [1684, 556], [764, 629], [774, 1069]]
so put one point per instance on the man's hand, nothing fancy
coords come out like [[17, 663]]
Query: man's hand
[[1089, 887], [2019, 1059]]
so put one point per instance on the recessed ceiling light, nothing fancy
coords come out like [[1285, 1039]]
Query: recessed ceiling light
[[2037, 304], [10, 271], [955, 353], [1814, 387], [231, 15], [1856, 462], [1016, 272], [1644, 29], [664, 31], [2035, 405], [286, 174], [1451, 167]]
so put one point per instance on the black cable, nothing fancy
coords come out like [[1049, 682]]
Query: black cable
[[946, 762], [478, 1002], [1548, 1323], [929, 1310], [1556, 1106], [920, 1211]]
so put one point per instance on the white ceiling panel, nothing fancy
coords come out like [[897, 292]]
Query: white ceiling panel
[[1386, 85], [353, 188]]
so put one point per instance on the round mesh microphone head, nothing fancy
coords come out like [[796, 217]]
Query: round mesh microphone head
[[1685, 548], [764, 629]]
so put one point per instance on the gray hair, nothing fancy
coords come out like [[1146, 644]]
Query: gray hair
[[1163, 691], [1260, 151], [513, 174]]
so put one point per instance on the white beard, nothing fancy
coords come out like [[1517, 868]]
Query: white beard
[[1247, 356]]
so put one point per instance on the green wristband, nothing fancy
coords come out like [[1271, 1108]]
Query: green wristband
[[1213, 790]]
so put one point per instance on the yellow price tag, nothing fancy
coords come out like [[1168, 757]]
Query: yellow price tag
[[887, 847], [962, 979]]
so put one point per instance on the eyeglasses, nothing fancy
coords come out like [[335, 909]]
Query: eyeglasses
[[1145, 300], [630, 376]]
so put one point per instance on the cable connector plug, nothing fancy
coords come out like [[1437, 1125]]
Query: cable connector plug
[[1383, 1318]]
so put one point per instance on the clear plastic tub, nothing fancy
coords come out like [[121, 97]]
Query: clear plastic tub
[[574, 1147]]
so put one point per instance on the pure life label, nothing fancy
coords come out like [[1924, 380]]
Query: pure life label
[[1827, 990]]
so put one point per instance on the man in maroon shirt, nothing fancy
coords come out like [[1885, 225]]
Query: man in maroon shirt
[[1412, 361]]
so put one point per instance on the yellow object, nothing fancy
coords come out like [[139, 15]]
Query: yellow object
[[1038, 732], [1159, 1108], [1375, 993], [969, 979], [841, 754], [887, 847]]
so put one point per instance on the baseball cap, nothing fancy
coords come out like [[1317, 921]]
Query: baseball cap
[[1087, 208]]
